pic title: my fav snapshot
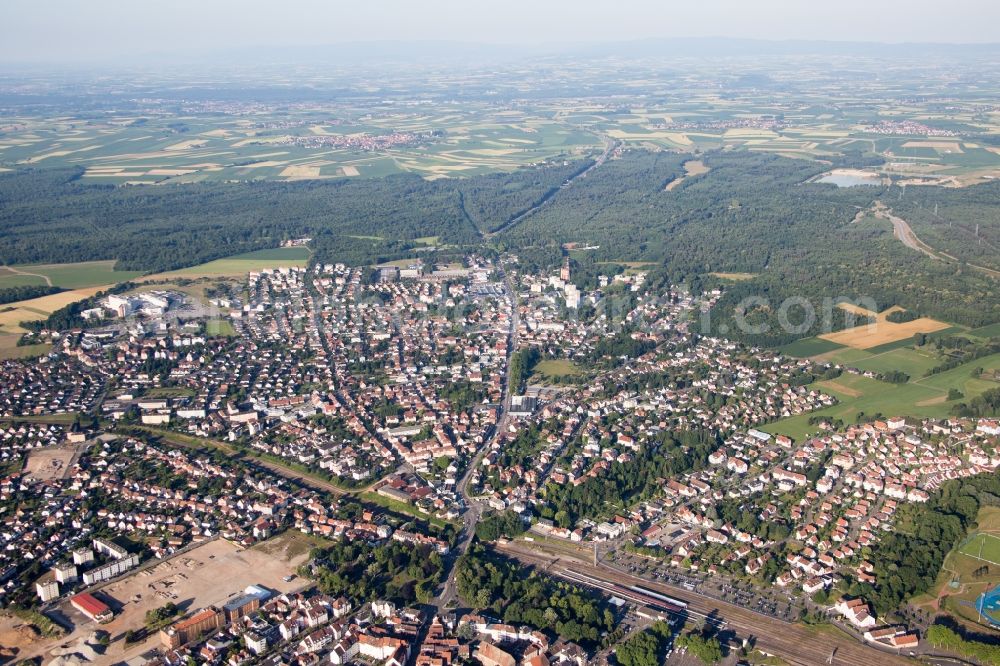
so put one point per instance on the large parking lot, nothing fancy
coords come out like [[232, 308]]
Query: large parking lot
[[767, 602]]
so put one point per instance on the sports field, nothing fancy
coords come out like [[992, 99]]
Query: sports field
[[982, 546], [548, 369], [964, 577], [219, 328]]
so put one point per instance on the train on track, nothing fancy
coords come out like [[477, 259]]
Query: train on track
[[640, 595], [657, 595]]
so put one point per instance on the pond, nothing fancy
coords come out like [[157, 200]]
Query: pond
[[850, 178]]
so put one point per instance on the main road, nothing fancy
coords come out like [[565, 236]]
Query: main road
[[473, 507], [794, 643]]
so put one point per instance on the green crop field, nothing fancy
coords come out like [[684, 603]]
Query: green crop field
[[68, 276], [920, 397], [911, 361], [240, 264], [469, 139], [991, 331], [808, 347], [848, 356], [9, 278], [9, 348]]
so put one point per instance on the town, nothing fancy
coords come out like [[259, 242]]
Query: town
[[175, 489]]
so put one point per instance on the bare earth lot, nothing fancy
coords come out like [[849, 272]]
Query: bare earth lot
[[51, 462], [207, 575]]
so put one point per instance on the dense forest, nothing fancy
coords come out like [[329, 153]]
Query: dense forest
[[964, 222], [52, 216], [751, 213], [401, 572], [754, 213], [493, 200]]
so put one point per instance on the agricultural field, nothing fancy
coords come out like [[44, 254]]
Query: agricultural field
[[68, 276], [9, 348], [240, 264], [807, 347], [439, 137], [692, 168], [920, 397], [307, 144], [882, 331], [914, 362], [734, 277], [35, 309], [852, 345], [991, 331]]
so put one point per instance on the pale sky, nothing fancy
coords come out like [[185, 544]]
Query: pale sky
[[75, 30]]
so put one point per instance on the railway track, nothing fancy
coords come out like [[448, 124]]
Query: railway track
[[796, 644]]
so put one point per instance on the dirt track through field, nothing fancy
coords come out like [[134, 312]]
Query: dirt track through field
[[16, 271]]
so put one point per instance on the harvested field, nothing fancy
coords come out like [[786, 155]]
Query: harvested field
[[300, 171], [266, 163], [675, 137], [856, 309], [692, 168], [186, 145], [350, 171], [950, 146], [882, 331], [735, 277], [40, 308]]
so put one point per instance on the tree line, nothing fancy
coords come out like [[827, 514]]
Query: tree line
[[23, 293]]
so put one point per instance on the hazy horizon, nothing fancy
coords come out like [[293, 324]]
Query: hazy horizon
[[103, 30]]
